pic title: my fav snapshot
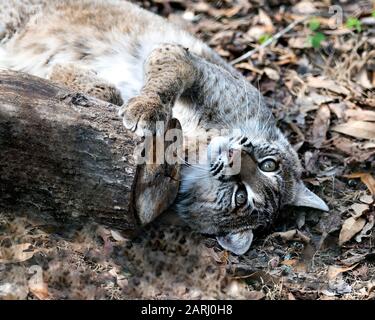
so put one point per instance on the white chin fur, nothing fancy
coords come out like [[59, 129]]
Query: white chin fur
[[238, 243]]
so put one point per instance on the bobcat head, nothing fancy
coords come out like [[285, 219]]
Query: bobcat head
[[246, 180]]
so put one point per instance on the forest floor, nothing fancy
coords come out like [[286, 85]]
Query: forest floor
[[319, 79]]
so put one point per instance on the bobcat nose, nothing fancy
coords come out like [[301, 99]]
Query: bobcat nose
[[250, 206]]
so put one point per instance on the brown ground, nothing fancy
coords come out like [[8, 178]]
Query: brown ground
[[324, 100]]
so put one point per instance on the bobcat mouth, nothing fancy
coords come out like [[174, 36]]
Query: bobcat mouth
[[237, 242]]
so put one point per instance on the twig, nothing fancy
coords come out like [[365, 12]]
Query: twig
[[270, 40]]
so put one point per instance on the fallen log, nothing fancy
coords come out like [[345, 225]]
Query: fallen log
[[67, 156]]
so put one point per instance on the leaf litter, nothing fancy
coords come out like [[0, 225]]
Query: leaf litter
[[324, 101]]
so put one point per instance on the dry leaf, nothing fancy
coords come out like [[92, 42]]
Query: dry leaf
[[220, 257], [359, 209], [347, 146], [289, 58], [36, 283], [355, 150], [362, 271], [363, 80], [121, 279], [339, 286], [299, 43], [321, 125], [291, 296], [117, 236], [304, 7], [272, 74], [265, 20], [350, 228], [371, 287], [254, 33], [319, 99], [291, 235], [366, 178], [230, 12], [297, 266], [300, 267], [334, 271], [248, 66], [355, 259], [357, 129], [236, 288], [291, 262], [17, 253], [338, 109], [368, 102], [202, 7], [255, 295], [340, 31], [365, 231], [360, 114], [323, 83], [367, 145], [261, 276], [327, 295], [367, 199]]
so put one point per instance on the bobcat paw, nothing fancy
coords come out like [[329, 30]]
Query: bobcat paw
[[166, 54], [144, 115], [106, 92]]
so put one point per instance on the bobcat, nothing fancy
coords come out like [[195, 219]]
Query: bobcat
[[154, 70]]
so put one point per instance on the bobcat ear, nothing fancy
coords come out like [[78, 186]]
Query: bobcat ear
[[238, 243], [306, 198]]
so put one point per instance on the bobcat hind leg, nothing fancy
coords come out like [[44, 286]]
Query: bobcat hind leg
[[85, 81]]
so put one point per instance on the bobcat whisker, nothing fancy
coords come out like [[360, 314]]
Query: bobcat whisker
[[263, 127], [192, 165], [195, 178], [247, 99]]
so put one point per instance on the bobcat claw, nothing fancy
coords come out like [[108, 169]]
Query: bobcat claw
[[130, 125], [141, 115]]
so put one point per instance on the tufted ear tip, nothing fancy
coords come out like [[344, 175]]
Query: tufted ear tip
[[238, 243], [306, 198]]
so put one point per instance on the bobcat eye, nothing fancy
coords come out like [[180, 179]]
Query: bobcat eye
[[269, 165], [241, 197]]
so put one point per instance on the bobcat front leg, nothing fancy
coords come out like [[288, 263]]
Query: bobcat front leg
[[173, 72], [85, 81], [168, 73]]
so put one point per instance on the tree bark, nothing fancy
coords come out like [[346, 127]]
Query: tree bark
[[67, 156]]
